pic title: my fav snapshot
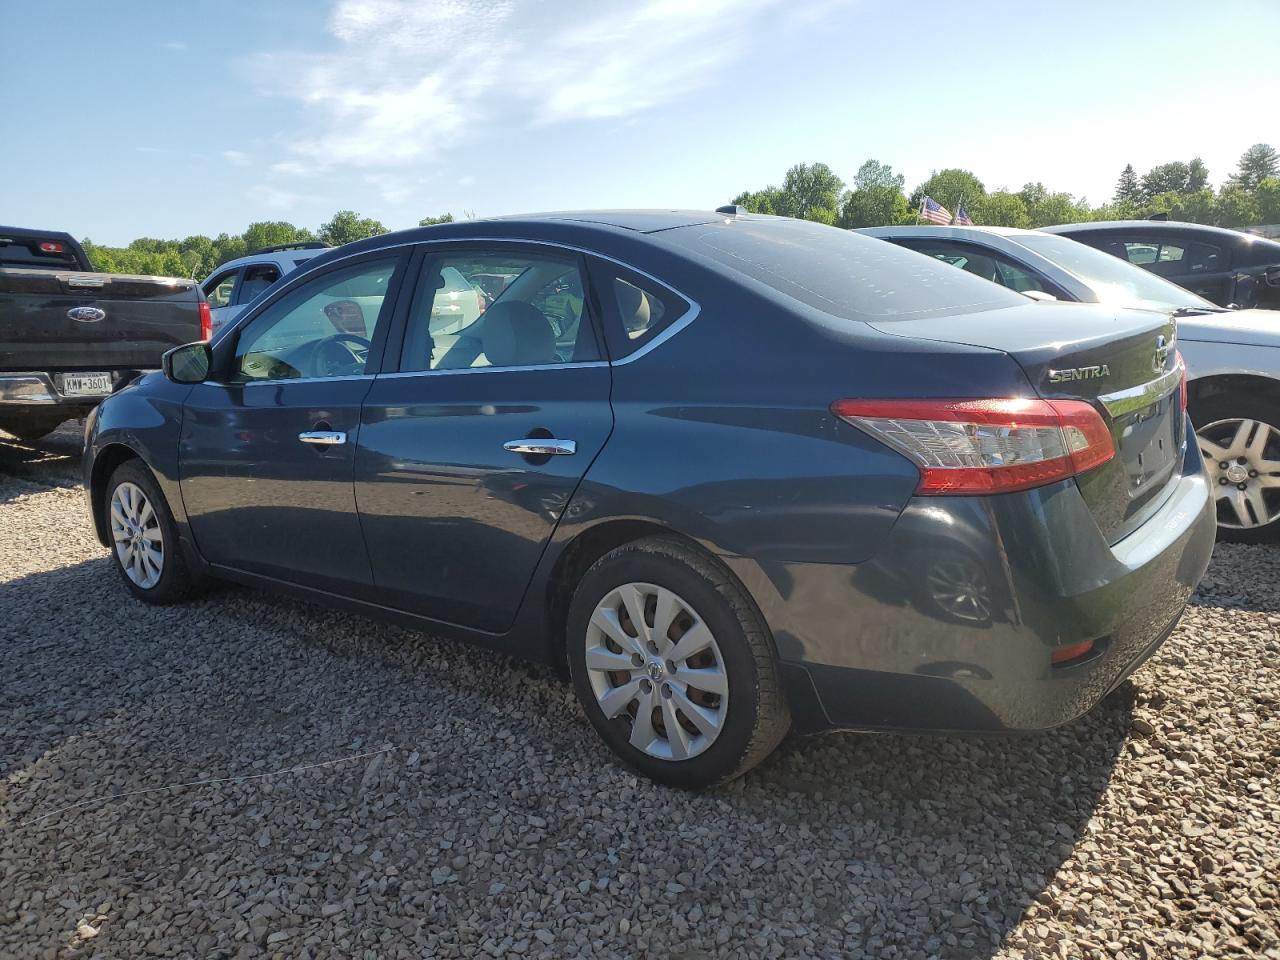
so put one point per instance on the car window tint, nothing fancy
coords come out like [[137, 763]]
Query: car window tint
[[1141, 253], [844, 274], [256, 279], [981, 262], [640, 310], [480, 309], [1203, 258], [1170, 251], [321, 329], [218, 290]]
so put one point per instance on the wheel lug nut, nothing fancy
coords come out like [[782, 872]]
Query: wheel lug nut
[[1222, 465], [1223, 481], [1253, 473], [1240, 486]]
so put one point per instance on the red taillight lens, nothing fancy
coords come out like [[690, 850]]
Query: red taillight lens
[[50, 247], [1182, 384], [206, 321], [986, 446]]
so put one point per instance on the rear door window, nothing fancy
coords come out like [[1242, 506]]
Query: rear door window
[[477, 308]]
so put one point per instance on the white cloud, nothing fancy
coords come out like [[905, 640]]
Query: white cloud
[[410, 79], [177, 46], [275, 198], [290, 168], [237, 158], [466, 181]]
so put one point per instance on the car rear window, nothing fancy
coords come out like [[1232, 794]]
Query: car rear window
[[53, 253], [844, 274]]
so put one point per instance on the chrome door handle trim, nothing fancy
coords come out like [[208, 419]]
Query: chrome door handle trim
[[324, 438], [537, 447]]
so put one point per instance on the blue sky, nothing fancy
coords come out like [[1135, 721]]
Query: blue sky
[[165, 119]]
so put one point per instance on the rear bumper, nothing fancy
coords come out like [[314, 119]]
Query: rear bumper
[[952, 625], [37, 390]]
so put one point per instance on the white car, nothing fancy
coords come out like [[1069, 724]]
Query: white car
[[1232, 356], [237, 283]]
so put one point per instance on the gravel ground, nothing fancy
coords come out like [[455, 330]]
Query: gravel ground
[[252, 776]]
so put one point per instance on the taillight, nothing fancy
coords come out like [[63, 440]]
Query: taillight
[[49, 246], [968, 447], [1182, 384], [206, 321]]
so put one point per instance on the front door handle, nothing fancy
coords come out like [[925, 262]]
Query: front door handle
[[538, 447], [324, 438]]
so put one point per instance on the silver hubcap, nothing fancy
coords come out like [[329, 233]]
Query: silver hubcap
[[655, 666], [1243, 460], [135, 528], [960, 588]]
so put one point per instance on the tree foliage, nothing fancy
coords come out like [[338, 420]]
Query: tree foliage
[[1258, 163], [1127, 187], [197, 256], [432, 221], [347, 226], [1180, 189]]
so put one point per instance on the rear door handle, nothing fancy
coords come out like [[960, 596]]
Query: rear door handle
[[324, 438], [538, 447]]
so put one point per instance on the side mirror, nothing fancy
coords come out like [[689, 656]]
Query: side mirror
[[189, 363]]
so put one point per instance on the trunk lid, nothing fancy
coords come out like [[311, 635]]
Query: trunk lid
[[1120, 360], [64, 320]]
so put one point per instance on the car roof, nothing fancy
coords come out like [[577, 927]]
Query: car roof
[[291, 257], [639, 221], [935, 230], [1149, 226]]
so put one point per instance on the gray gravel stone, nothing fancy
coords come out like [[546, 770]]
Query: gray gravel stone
[[252, 776]]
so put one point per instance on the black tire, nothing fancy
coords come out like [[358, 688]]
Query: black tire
[[1209, 416], [29, 429], [177, 583], [756, 715]]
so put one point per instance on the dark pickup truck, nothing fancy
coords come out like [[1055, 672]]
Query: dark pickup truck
[[70, 336]]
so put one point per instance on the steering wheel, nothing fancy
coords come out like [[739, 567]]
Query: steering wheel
[[342, 354]]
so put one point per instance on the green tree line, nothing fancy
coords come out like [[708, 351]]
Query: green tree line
[[198, 256], [876, 197]]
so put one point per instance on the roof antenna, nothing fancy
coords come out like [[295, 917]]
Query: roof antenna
[[733, 210]]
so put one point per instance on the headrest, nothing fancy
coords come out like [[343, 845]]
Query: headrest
[[517, 335], [634, 307]]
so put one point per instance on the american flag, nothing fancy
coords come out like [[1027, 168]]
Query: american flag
[[962, 217], [934, 212]]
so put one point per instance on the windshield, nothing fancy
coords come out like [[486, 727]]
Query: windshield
[[844, 274], [1112, 279]]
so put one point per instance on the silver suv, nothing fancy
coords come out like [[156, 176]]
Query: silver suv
[[237, 283]]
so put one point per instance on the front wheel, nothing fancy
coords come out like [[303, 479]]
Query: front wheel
[[144, 538], [674, 666], [1239, 438]]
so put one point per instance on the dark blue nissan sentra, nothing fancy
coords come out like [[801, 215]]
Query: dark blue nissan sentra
[[742, 475]]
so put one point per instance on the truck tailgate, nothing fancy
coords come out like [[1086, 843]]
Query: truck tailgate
[[92, 321]]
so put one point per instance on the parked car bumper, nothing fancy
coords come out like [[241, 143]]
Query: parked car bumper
[[955, 623], [35, 390]]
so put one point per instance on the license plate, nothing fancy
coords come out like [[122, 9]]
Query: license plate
[[86, 384]]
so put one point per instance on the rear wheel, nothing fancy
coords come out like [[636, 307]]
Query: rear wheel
[[674, 666], [1239, 438], [28, 429], [144, 538]]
